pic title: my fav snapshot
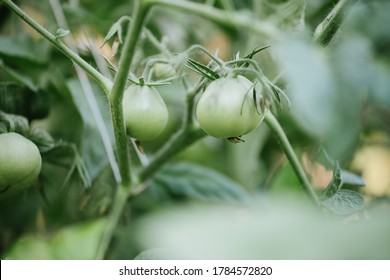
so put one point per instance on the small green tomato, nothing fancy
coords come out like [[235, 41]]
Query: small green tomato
[[20, 163], [227, 109], [145, 113]]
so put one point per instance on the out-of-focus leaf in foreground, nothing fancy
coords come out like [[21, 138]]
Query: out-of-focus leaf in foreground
[[281, 229]]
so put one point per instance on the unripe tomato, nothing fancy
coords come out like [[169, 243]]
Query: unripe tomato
[[145, 113], [20, 162], [227, 109]]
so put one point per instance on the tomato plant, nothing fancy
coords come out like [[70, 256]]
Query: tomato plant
[[122, 125]]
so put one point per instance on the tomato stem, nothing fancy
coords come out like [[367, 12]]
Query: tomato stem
[[116, 95], [288, 150]]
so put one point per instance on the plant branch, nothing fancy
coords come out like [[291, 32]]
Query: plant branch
[[187, 135], [118, 88], [224, 18], [112, 220], [101, 79], [273, 123]]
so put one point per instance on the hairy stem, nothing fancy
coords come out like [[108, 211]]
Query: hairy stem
[[118, 88], [101, 79], [328, 28], [288, 150]]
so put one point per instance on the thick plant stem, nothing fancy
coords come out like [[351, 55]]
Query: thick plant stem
[[288, 150], [112, 220], [219, 16], [115, 98], [101, 79], [118, 88]]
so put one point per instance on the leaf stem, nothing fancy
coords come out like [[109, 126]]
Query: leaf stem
[[101, 79], [273, 123]]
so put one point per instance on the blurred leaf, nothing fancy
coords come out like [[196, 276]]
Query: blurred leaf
[[322, 104], [78, 242], [198, 183], [19, 77], [42, 139], [312, 99], [334, 185], [24, 48], [344, 202], [350, 178], [286, 228], [288, 14], [91, 145], [30, 248]]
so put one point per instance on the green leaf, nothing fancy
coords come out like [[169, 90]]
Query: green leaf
[[288, 14], [196, 182], [334, 185], [60, 33], [91, 145], [116, 29], [350, 178], [255, 51], [18, 77], [344, 202], [14, 123], [203, 70]]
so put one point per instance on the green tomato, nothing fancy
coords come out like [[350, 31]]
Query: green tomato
[[20, 162], [227, 109], [145, 113]]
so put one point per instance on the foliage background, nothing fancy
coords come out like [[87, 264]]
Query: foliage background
[[215, 199]]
